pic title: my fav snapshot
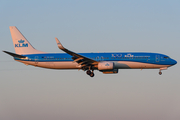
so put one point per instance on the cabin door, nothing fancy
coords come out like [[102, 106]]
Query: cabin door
[[36, 60], [157, 58]]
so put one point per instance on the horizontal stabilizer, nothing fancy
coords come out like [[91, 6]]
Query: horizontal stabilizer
[[14, 55]]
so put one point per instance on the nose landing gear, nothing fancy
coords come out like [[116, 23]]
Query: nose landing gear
[[160, 73], [164, 68]]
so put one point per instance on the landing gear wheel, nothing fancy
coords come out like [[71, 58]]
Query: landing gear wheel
[[160, 73], [88, 72], [92, 74]]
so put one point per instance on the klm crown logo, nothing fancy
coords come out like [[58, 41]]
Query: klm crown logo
[[106, 64], [21, 43]]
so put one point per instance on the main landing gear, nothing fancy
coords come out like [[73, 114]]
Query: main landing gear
[[90, 73]]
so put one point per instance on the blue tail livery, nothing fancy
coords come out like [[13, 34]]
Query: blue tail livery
[[107, 63]]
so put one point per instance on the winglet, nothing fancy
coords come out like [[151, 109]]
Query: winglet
[[59, 44]]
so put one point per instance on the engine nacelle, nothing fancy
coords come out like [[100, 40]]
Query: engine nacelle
[[110, 71], [106, 66]]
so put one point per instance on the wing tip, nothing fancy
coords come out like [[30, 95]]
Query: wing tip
[[58, 43]]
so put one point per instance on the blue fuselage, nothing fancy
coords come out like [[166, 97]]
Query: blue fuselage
[[140, 57]]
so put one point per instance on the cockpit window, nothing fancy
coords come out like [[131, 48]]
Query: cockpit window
[[166, 57]]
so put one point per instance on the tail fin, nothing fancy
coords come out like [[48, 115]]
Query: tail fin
[[21, 44]]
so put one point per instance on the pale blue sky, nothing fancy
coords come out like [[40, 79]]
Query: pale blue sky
[[30, 93]]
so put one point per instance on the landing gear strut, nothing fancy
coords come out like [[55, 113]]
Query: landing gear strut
[[160, 73]]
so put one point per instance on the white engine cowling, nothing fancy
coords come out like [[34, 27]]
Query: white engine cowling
[[105, 65]]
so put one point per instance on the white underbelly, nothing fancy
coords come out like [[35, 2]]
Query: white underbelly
[[74, 65]]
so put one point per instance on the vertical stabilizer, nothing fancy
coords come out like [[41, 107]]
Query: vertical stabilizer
[[21, 44]]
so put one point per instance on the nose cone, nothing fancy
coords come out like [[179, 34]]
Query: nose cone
[[174, 62]]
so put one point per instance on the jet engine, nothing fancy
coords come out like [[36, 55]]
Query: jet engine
[[106, 66]]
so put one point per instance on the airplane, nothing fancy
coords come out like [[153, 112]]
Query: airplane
[[107, 63]]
